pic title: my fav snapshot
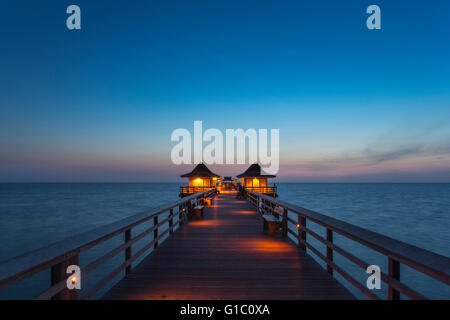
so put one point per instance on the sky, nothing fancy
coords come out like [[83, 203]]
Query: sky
[[99, 104]]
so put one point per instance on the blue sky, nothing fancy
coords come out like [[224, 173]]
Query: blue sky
[[99, 104]]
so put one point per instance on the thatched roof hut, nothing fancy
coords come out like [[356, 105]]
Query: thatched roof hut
[[254, 171], [200, 171]]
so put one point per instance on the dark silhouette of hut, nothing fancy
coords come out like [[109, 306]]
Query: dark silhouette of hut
[[200, 179], [254, 179]]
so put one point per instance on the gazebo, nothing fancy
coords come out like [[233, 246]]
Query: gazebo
[[254, 179], [200, 179]]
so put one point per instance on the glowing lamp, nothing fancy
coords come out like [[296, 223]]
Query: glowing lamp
[[74, 280], [298, 226], [198, 179]]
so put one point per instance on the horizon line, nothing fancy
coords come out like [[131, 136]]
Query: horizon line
[[173, 182]]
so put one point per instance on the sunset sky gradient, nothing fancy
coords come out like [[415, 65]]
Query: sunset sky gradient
[[100, 104]]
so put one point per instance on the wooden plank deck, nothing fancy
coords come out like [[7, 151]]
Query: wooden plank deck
[[225, 255]]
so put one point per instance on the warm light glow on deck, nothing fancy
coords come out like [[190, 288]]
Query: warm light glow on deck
[[245, 212], [205, 223], [267, 246]]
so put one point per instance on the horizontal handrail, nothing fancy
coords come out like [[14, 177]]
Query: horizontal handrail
[[424, 261], [191, 189], [28, 264], [267, 189]]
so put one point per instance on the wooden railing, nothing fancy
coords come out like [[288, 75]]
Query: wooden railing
[[263, 190], [62, 254], [192, 190], [397, 252]]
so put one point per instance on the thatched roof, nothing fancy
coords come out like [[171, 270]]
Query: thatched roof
[[254, 171], [200, 171]]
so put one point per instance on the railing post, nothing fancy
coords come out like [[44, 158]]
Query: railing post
[[394, 272], [329, 251], [59, 273], [301, 232], [171, 221], [180, 214], [155, 232], [261, 202], [284, 223], [128, 250]]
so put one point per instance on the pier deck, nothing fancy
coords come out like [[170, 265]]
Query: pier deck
[[225, 255]]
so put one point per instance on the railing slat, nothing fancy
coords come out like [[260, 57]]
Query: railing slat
[[363, 265], [427, 262], [58, 274], [344, 274], [394, 272], [26, 265], [155, 233], [128, 250], [396, 251], [329, 250], [114, 273]]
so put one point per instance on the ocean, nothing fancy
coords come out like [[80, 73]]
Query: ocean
[[38, 214]]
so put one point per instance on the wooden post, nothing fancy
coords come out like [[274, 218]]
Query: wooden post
[[171, 221], [59, 273], [301, 232], [284, 223], [155, 233], [394, 272], [329, 250], [128, 250]]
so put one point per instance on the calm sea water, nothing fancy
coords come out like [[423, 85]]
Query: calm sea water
[[36, 215]]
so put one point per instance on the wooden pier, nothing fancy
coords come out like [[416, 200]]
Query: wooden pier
[[226, 255]]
